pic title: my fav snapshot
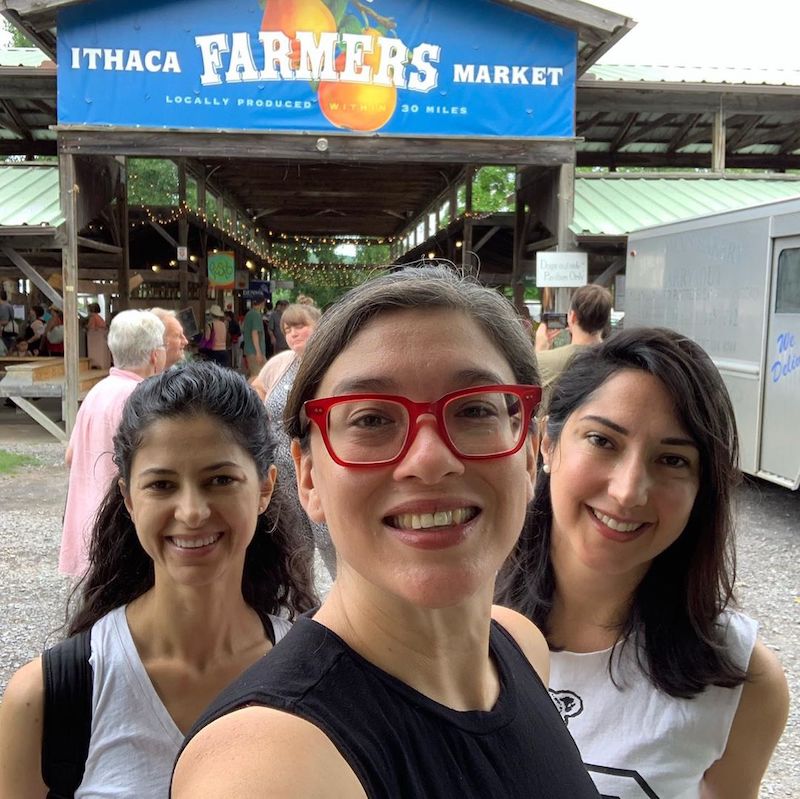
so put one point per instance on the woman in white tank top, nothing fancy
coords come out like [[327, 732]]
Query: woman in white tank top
[[624, 563], [193, 577]]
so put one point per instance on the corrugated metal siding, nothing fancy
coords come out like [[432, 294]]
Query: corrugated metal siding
[[29, 195], [618, 206], [22, 57], [656, 74]]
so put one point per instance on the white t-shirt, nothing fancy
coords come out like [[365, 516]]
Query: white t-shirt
[[636, 741], [134, 740]]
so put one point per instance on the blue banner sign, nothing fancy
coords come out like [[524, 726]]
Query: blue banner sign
[[402, 67]]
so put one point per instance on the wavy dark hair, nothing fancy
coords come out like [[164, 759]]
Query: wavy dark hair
[[673, 621], [277, 568]]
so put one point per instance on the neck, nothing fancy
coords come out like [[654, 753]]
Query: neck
[[580, 336], [193, 625], [435, 651], [589, 608]]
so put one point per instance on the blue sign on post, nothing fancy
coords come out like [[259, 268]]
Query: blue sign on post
[[424, 68]]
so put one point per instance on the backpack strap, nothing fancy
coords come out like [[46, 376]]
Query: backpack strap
[[68, 680]]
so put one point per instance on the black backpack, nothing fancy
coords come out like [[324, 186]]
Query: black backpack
[[67, 726]]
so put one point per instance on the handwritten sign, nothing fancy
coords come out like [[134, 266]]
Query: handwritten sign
[[562, 269]]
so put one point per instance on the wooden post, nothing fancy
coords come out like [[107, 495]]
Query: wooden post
[[466, 247], [69, 277], [517, 268], [183, 235], [566, 211], [718, 141], [124, 270]]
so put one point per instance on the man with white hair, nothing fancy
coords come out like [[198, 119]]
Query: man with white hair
[[136, 341], [174, 338]]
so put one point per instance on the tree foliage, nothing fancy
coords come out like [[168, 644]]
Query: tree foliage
[[18, 38]]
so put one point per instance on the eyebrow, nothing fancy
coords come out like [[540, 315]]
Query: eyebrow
[[674, 441], [155, 470], [464, 377]]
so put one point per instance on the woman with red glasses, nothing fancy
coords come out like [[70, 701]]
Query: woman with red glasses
[[411, 418]]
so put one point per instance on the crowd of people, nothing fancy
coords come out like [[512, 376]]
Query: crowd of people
[[532, 591]]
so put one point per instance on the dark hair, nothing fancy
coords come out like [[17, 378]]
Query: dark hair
[[277, 567], [592, 306], [673, 621], [430, 288], [94, 307], [3, 295], [38, 310]]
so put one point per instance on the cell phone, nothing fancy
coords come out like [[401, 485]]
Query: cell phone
[[554, 321]]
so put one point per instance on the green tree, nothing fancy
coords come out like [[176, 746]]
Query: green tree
[[152, 181], [18, 38], [493, 189]]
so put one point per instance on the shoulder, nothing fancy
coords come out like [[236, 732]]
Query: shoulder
[[527, 637], [21, 725], [238, 754]]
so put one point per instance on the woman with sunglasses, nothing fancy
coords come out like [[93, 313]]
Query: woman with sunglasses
[[411, 419]]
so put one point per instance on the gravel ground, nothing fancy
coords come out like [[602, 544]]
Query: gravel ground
[[34, 595]]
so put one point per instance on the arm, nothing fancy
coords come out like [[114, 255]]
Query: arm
[[262, 753], [21, 715], [757, 726], [543, 340], [528, 638]]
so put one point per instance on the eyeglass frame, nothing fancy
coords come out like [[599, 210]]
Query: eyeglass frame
[[318, 412]]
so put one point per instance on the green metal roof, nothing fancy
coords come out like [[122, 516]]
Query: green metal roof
[[29, 195], [616, 206], [22, 57], [676, 74]]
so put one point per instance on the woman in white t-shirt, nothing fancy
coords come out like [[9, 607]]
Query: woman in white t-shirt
[[625, 563], [193, 577]]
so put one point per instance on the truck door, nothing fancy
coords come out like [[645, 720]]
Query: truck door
[[780, 439]]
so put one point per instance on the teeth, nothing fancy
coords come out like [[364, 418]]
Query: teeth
[[442, 518], [196, 543], [620, 527]]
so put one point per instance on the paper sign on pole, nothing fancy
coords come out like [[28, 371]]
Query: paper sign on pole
[[562, 269]]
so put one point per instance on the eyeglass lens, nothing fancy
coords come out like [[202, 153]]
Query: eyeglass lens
[[375, 430]]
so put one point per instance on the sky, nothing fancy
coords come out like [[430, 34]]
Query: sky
[[701, 33]]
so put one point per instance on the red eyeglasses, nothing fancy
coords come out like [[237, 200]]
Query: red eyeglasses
[[378, 429]]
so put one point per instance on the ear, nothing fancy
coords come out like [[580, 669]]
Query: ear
[[126, 497], [572, 318], [531, 447], [306, 490], [267, 487], [546, 446]]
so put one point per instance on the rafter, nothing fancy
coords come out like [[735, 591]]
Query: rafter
[[680, 139], [742, 132]]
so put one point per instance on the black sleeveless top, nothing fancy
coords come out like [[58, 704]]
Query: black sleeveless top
[[400, 743]]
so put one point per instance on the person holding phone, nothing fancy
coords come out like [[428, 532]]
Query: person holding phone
[[589, 315]]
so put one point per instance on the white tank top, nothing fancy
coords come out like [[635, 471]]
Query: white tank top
[[636, 741], [134, 740]]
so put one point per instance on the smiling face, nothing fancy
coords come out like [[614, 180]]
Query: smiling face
[[624, 478], [431, 529], [194, 498]]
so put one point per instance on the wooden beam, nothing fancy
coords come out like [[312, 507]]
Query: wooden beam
[[123, 222], [100, 246], [183, 234], [486, 236], [743, 131], [163, 233], [33, 276], [623, 132], [680, 139], [585, 124], [23, 25], [17, 123], [302, 147], [637, 133]]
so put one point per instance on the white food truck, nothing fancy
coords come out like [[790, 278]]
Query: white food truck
[[731, 282]]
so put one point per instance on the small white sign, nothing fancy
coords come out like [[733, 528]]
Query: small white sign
[[562, 269], [183, 253]]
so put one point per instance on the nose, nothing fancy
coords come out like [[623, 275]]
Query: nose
[[191, 509], [630, 482], [428, 459]]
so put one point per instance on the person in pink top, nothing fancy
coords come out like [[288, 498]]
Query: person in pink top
[[136, 341]]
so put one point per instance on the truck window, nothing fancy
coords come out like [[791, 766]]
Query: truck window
[[787, 294]]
